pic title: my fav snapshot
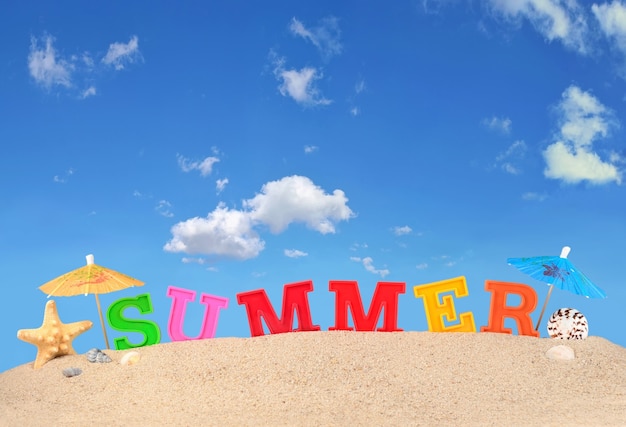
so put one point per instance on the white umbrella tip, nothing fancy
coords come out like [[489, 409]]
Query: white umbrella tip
[[89, 259], [565, 251]]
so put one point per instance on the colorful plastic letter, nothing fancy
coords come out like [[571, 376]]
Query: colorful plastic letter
[[148, 328], [294, 299], [348, 296], [499, 310], [436, 311], [180, 297]]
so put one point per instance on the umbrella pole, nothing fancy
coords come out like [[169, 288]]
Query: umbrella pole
[[106, 339], [544, 307]]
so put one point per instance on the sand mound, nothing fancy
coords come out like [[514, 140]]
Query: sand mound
[[329, 378]]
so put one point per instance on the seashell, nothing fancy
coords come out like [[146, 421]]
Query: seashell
[[568, 324], [130, 358], [72, 372], [560, 352], [95, 355]]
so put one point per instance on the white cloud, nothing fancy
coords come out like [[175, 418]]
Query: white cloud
[[299, 85], [294, 253], [401, 231], [612, 20], [501, 124], [562, 20], [368, 263], [224, 232], [422, 266], [220, 185], [355, 111], [192, 260], [298, 199], [90, 91], [308, 149], [121, 53], [45, 67], [231, 233], [571, 157], [77, 72], [325, 37], [205, 166], [163, 207], [506, 159]]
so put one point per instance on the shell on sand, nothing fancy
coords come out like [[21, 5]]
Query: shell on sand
[[130, 358], [560, 352], [568, 324], [95, 355], [72, 372]]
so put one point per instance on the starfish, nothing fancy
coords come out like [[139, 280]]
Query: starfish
[[53, 338]]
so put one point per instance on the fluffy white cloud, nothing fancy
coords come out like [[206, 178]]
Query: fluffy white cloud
[[294, 253], [368, 263], [562, 20], [46, 67], [308, 149], [231, 233], [400, 231], [571, 157], [325, 36], [612, 20], [300, 85], [121, 53], [204, 166], [224, 232], [298, 199]]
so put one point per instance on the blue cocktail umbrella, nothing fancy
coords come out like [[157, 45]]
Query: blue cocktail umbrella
[[557, 271]]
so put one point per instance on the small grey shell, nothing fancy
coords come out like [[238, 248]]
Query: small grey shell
[[95, 355], [72, 372]]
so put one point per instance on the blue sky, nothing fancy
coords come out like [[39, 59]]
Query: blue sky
[[229, 146]]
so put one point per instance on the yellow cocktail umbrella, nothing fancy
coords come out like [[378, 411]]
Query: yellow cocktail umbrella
[[90, 279]]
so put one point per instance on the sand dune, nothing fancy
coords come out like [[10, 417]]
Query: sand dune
[[329, 378]]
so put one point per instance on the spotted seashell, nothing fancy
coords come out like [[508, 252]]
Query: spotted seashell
[[95, 355], [568, 324], [72, 372]]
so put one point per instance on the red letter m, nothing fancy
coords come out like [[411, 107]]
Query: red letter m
[[348, 295], [294, 300]]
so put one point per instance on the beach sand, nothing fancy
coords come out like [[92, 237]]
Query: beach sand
[[331, 378]]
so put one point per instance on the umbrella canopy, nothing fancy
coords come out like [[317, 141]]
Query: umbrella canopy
[[89, 279], [557, 271]]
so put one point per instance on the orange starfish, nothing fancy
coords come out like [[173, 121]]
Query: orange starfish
[[53, 338]]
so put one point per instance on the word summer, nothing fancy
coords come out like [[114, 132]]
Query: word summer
[[438, 300]]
